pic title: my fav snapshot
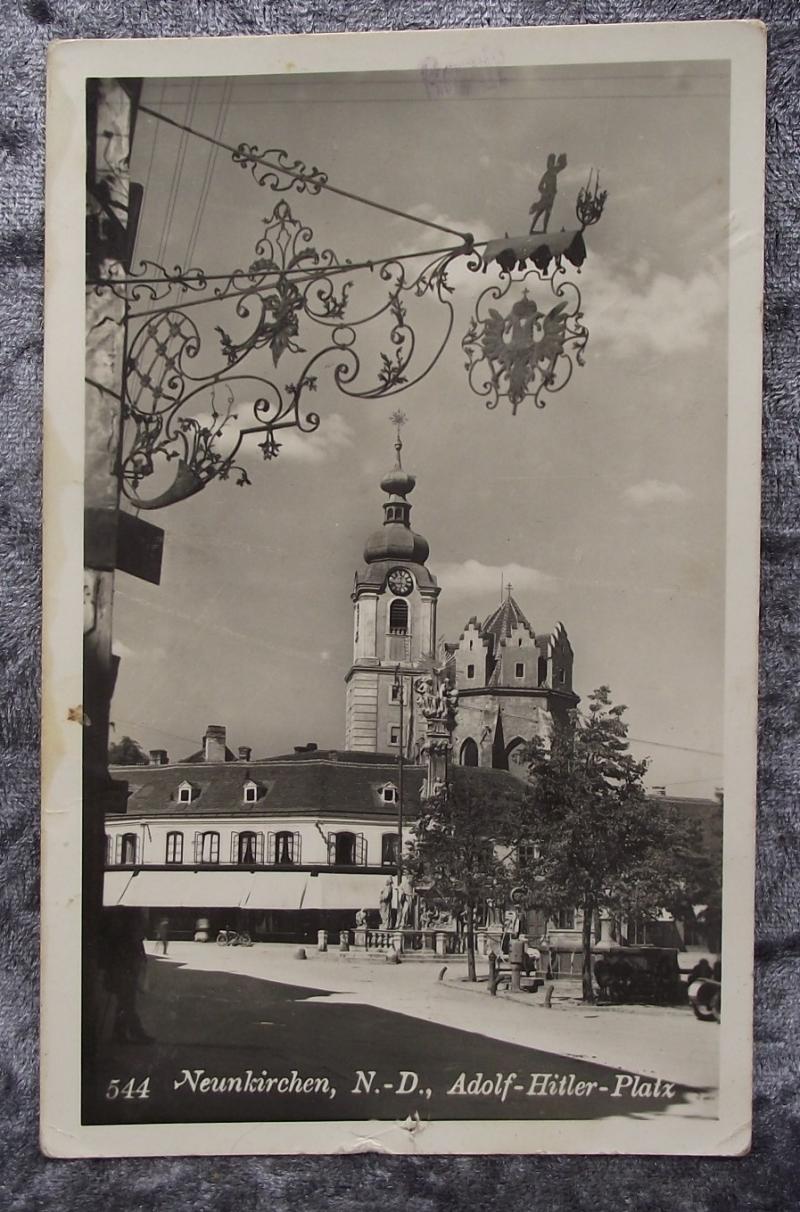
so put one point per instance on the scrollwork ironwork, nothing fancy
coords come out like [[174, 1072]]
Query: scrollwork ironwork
[[295, 302], [525, 351], [272, 167], [178, 367]]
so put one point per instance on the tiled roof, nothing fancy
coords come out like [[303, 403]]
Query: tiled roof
[[507, 617], [321, 784]]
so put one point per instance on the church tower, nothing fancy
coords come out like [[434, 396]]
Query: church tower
[[512, 684], [394, 623]]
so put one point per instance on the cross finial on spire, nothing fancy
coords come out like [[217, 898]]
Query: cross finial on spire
[[508, 590], [398, 419]]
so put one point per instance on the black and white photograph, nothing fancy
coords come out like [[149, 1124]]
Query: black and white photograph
[[403, 435]]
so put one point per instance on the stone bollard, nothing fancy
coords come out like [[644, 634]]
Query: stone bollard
[[300, 953], [397, 941], [360, 938], [392, 956], [344, 940], [493, 974], [515, 957], [441, 942], [322, 940]]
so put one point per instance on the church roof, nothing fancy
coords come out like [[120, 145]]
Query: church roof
[[506, 618]]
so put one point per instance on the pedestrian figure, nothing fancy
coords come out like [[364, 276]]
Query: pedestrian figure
[[162, 934], [123, 959], [548, 187]]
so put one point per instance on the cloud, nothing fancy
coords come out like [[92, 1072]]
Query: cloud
[[473, 578], [334, 434], [654, 492], [635, 312], [437, 239]]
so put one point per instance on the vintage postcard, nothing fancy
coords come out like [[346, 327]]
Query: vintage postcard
[[401, 585]]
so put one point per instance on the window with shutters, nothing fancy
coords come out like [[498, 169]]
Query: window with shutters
[[109, 850], [246, 856], [207, 847], [126, 849], [347, 849], [174, 848], [398, 617], [287, 847]]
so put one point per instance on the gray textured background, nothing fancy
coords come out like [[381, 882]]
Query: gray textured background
[[770, 1177]]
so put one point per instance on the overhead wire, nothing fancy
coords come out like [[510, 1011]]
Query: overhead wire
[[208, 176], [299, 176], [177, 171]]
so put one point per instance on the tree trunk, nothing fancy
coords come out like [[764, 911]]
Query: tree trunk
[[586, 970], [471, 973]]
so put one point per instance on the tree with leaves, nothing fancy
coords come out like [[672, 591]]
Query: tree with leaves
[[458, 854], [127, 752], [601, 845]]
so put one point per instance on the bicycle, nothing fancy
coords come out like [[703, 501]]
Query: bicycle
[[234, 938]]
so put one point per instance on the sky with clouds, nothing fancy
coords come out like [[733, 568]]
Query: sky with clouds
[[605, 509]]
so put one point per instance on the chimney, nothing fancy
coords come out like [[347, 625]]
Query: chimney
[[244, 753], [310, 747], [158, 757], [214, 743]]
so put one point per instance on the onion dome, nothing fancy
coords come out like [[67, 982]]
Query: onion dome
[[395, 540]]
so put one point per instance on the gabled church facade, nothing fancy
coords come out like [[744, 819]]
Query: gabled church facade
[[512, 683]]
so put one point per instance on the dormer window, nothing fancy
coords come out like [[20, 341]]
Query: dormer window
[[250, 792], [185, 793], [389, 794]]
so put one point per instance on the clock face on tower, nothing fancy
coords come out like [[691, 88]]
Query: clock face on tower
[[401, 582]]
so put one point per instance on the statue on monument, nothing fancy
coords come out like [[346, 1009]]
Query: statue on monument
[[385, 904]]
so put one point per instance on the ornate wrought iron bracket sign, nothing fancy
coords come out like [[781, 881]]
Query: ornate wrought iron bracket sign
[[528, 350], [199, 383]]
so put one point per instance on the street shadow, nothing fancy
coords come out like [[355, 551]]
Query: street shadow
[[229, 1047]]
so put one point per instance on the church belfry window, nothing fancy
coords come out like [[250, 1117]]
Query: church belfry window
[[398, 617]]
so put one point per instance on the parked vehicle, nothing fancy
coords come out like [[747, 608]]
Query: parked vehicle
[[705, 998], [638, 974]]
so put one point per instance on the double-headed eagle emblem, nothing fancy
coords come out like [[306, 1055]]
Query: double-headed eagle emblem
[[523, 343]]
